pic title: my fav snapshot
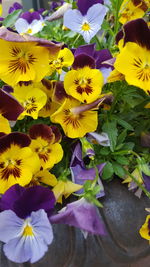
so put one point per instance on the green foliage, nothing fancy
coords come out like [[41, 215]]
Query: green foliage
[[11, 18]]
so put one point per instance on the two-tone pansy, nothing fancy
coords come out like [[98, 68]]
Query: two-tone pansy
[[24, 58], [133, 61], [45, 143], [29, 23], [84, 82], [31, 98], [18, 162], [24, 223], [87, 20]]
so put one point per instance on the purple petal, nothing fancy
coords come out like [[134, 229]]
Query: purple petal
[[83, 60], [86, 49], [101, 138], [102, 56], [19, 139], [135, 31], [146, 179], [29, 17], [84, 5], [28, 200], [77, 156], [6, 103], [83, 215]]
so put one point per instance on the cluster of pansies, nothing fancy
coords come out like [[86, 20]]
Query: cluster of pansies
[[74, 111]]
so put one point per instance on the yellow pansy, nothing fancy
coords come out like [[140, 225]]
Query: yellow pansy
[[131, 10], [75, 124], [145, 229], [32, 99], [45, 143], [84, 84], [44, 177], [23, 62], [134, 63], [64, 58]]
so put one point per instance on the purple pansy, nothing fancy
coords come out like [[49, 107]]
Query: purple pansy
[[14, 7], [80, 174], [30, 237], [29, 23], [101, 59], [87, 20], [25, 200], [81, 214]]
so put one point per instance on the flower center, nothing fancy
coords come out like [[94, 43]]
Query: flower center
[[28, 231], [86, 27], [73, 119], [10, 167], [29, 31], [30, 105]]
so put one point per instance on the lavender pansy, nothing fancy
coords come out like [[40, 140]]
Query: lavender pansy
[[30, 237], [29, 23], [25, 200], [89, 23], [81, 214], [146, 179], [80, 174]]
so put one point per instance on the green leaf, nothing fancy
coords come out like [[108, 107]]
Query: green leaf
[[118, 169], [121, 137], [125, 124], [111, 129], [107, 171], [104, 151], [122, 160], [128, 146], [11, 18]]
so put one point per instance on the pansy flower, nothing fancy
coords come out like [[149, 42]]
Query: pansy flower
[[24, 58], [87, 20], [1, 10], [81, 214], [29, 23], [18, 162], [43, 177], [133, 60], [145, 229], [45, 142], [74, 120], [83, 82], [31, 98], [132, 9], [24, 222], [65, 58]]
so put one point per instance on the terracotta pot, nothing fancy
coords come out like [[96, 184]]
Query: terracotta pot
[[123, 214]]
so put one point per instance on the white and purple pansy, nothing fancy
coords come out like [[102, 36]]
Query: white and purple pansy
[[24, 223], [29, 23], [87, 20]]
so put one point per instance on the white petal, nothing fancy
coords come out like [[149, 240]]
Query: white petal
[[36, 26], [10, 225], [73, 20], [21, 25]]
